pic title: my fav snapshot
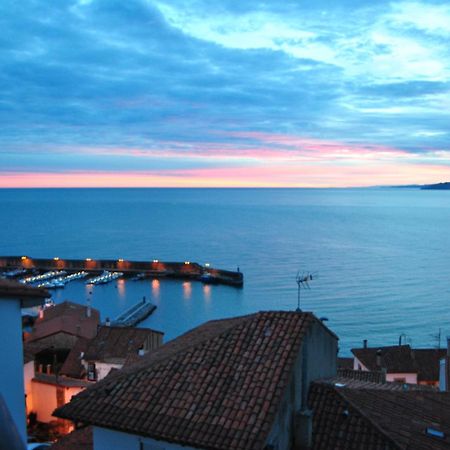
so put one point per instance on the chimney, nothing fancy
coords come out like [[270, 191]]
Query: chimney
[[365, 343], [378, 358], [107, 322]]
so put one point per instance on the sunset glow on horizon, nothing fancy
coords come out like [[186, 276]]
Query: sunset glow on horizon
[[189, 94]]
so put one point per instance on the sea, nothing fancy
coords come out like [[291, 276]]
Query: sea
[[379, 257]]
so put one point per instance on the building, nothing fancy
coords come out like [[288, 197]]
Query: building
[[353, 415], [56, 374], [237, 383], [13, 297], [401, 363], [56, 331], [93, 359], [65, 322]]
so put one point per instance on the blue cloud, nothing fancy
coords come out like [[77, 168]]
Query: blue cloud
[[144, 75]]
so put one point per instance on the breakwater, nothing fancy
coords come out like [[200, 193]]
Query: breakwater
[[154, 269]]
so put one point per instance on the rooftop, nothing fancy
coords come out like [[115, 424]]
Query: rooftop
[[218, 386], [110, 345], [378, 418], [66, 317], [403, 359]]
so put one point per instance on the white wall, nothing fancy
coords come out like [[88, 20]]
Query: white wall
[[105, 439], [11, 367], [410, 378], [103, 369], [28, 374]]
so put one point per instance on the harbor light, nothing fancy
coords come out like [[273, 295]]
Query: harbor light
[[23, 258], [88, 259], [187, 262], [156, 261], [120, 260], [56, 258], [206, 264]]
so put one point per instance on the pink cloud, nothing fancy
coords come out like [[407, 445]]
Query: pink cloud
[[307, 175]]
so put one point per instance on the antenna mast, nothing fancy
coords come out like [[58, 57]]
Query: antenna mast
[[302, 282]]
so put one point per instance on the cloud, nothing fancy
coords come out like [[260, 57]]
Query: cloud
[[139, 85]]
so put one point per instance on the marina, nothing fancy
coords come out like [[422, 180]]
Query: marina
[[105, 277], [106, 270]]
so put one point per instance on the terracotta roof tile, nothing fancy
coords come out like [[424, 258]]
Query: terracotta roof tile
[[403, 359], [116, 343], [378, 418], [191, 390], [80, 439], [66, 317]]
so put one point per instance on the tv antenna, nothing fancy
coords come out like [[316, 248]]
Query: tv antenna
[[302, 280]]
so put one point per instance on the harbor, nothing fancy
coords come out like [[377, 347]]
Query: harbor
[[13, 266]]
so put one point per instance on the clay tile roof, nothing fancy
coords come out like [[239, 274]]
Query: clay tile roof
[[427, 362], [80, 439], [395, 359], [345, 363], [116, 343], [217, 387], [29, 295], [72, 366], [66, 317], [378, 419], [363, 375], [403, 359], [370, 383]]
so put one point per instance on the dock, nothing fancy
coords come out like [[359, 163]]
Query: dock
[[142, 269], [132, 316]]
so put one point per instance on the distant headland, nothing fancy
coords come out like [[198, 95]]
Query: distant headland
[[438, 186]]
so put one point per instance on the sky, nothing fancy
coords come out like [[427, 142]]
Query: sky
[[194, 93]]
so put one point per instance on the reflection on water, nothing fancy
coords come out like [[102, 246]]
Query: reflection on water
[[121, 288], [207, 292], [156, 289], [187, 290]]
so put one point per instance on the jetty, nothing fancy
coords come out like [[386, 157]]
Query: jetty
[[132, 316], [140, 269]]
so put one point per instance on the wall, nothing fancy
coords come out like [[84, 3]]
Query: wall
[[103, 369], [410, 378], [105, 439], [28, 375], [317, 359], [44, 399], [11, 368]]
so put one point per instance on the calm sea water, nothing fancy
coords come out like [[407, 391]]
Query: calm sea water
[[381, 255]]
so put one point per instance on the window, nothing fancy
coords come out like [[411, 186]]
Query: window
[[60, 401], [399, 380], [91, 372]]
